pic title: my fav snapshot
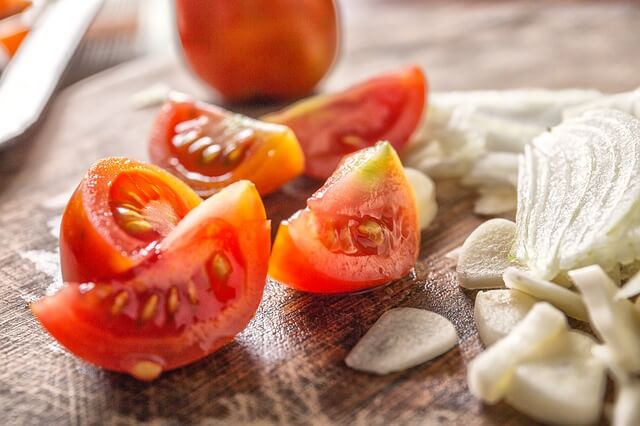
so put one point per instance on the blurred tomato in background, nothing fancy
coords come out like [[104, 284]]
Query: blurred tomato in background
[[259, 48]]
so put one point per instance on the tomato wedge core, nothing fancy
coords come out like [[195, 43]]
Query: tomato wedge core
[[188, 297], [358, 231], [388, 107]]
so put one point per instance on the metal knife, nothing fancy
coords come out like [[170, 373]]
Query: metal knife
[[34, 73]]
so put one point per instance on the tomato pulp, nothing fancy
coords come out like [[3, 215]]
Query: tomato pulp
[[209, 148], [388, 107], [259, 48], [195, 282], [358, 231]]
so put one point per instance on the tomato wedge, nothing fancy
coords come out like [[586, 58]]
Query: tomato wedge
[[209, 148], [388, 107], [118, 213], [193, 293], [358, 231]]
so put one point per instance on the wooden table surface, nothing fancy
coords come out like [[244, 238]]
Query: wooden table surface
[[287, 367]]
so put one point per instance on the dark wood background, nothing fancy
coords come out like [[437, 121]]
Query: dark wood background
[[287, 367]]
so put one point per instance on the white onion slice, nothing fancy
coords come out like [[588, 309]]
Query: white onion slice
[[568, 301], [626, 410], [564, 386], [578, 194], [485, 255], [490, 374], [425, 191], [496, 313], [628, 102], [402, 338], [615, 320]]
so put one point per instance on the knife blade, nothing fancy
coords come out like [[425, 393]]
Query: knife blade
[[34, 73]]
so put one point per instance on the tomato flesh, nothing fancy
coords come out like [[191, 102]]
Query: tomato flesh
[[209, 148], [388, 107], [358, 231], [193, 293], [120, 210]]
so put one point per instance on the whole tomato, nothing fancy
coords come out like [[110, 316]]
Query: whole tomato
[[259, 48]]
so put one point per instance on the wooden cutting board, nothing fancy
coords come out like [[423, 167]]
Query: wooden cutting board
[[287, 367]]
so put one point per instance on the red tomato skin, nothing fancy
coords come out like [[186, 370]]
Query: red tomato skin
[[387, 107], [259, 48], [77, 319]]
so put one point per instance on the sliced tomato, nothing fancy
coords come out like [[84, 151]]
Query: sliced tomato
[[209, 148], [119, 212], [388, 107], [192, 294], [358, 231]]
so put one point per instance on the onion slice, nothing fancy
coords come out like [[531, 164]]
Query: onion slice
[[579, 195], [564, 299]]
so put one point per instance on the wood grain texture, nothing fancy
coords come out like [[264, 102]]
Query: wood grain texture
[[287, 366]]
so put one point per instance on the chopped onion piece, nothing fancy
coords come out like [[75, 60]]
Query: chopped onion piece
[[537, 107], [565, 385], [425, 191], [615, 320], [485, 255], [402, 338], [626, 411], [630, 289], [494, 169], [496, 313], [150, 96], [568, 301], [490, 373], [494, 201]]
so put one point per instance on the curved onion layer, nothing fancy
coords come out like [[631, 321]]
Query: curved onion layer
[[579, 195], [615, 320], [628, 102], [490, 374]]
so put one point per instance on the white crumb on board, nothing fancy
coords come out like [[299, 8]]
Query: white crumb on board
[[48, 263], [151, 96], [54, 226]]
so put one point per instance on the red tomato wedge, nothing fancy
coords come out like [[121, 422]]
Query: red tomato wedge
[[209, 148], [388, 107], [118, 213], [192, 294], [358, 231]]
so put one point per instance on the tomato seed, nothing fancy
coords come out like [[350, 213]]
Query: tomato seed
[[146, 370], [173, 300], [138, 226], [128, 214], [372, 230], [210, 153], [221, 266], [150, 307], [119, 302], [192, 292]]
